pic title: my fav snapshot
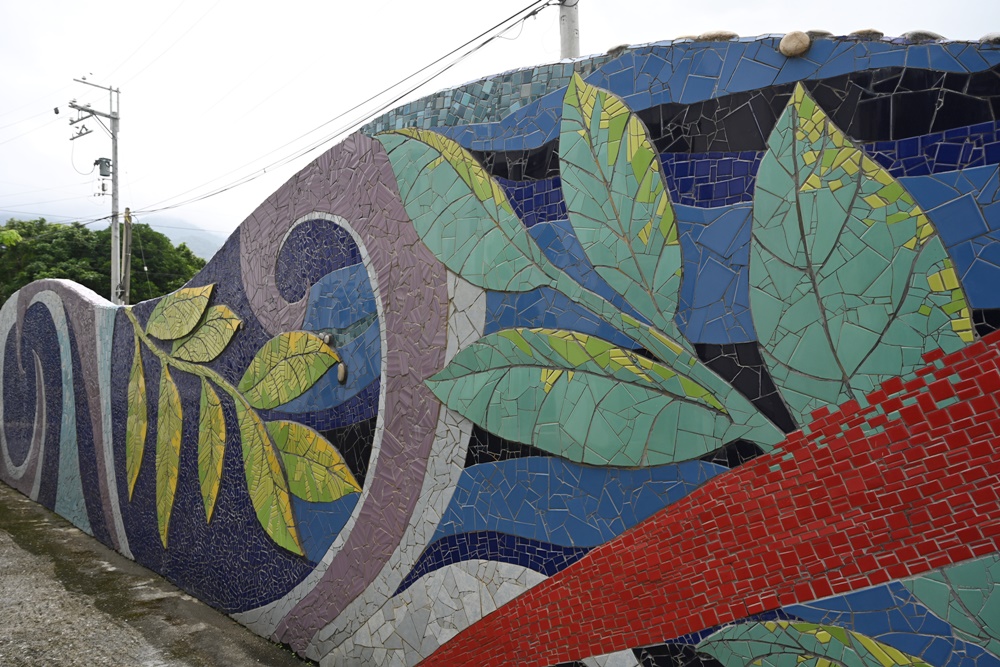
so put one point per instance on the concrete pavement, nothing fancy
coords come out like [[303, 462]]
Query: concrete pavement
[[67, 600]]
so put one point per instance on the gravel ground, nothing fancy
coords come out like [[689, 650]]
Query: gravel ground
[[67, 600]]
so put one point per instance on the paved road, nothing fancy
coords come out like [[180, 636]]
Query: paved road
[[67, 600]]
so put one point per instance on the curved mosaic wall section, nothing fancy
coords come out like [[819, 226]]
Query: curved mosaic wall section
[[683, 356]]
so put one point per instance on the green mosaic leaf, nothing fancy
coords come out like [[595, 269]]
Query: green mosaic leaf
[[784, 644], [316, 470], [210, 338], [177, 314], [137, 423], [583, 398], [266, 483], [963, 596], [617, 202], [211, 446], [285, 367], [169, 422], [462, 214], [850, 283]]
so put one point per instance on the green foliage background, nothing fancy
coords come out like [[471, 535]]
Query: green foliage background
[[78, 253]]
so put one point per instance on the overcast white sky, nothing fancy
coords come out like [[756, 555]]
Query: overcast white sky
[[210, 87]]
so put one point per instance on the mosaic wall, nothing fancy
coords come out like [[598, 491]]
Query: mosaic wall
[[678, 357]]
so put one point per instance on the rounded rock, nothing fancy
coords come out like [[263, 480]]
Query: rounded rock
[[341, 372], [867, 35], [991, 38], [794, 44], [922, 36], [717, 36]]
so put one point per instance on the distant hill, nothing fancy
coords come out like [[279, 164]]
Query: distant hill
[[202, 242]]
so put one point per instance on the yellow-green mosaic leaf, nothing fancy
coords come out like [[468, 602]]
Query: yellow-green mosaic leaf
[[462, 214], [266, 482], [617, 200], [583, 398], [316, 470], [137, 423], [209, 338], [211, 446], [169, 422], [785, 644], [178, 313], [849, 282], [285, 368]]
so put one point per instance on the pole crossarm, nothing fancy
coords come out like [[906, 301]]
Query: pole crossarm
[[85, 111]]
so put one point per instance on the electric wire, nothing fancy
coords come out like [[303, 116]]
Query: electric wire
[[72, 161], [146, 41], [534, 7], [174, 43], [498, 30], [518, 17], [27, 132]]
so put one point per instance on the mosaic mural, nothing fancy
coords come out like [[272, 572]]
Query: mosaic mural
[[678, 357]]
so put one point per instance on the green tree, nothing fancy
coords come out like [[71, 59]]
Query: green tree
[[42, 249]]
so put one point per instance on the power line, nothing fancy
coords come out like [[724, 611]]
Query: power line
[[146, 41], [49, 201], [27, 132], [173, 43], [492, 33]]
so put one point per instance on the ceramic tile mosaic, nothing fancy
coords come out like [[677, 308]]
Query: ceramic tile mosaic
[[682, 355]]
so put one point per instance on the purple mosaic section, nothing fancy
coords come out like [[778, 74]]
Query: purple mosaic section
[[355, 181]]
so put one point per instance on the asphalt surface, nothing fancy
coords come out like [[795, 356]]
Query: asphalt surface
[[67, 600]]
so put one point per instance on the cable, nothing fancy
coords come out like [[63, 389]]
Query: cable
[[27, 132], [533, 8], [49, 201], [72, 161], [519, 16], [31, 192], [138, 238], [527, 12], [31, 104], [146, 41], [174, 43]]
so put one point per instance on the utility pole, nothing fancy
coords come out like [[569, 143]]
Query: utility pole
[[569, 29], [83, 113]]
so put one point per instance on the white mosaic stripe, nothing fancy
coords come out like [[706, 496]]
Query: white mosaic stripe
[[432, 611], [466, 321], [104, 327], [618, 659]]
